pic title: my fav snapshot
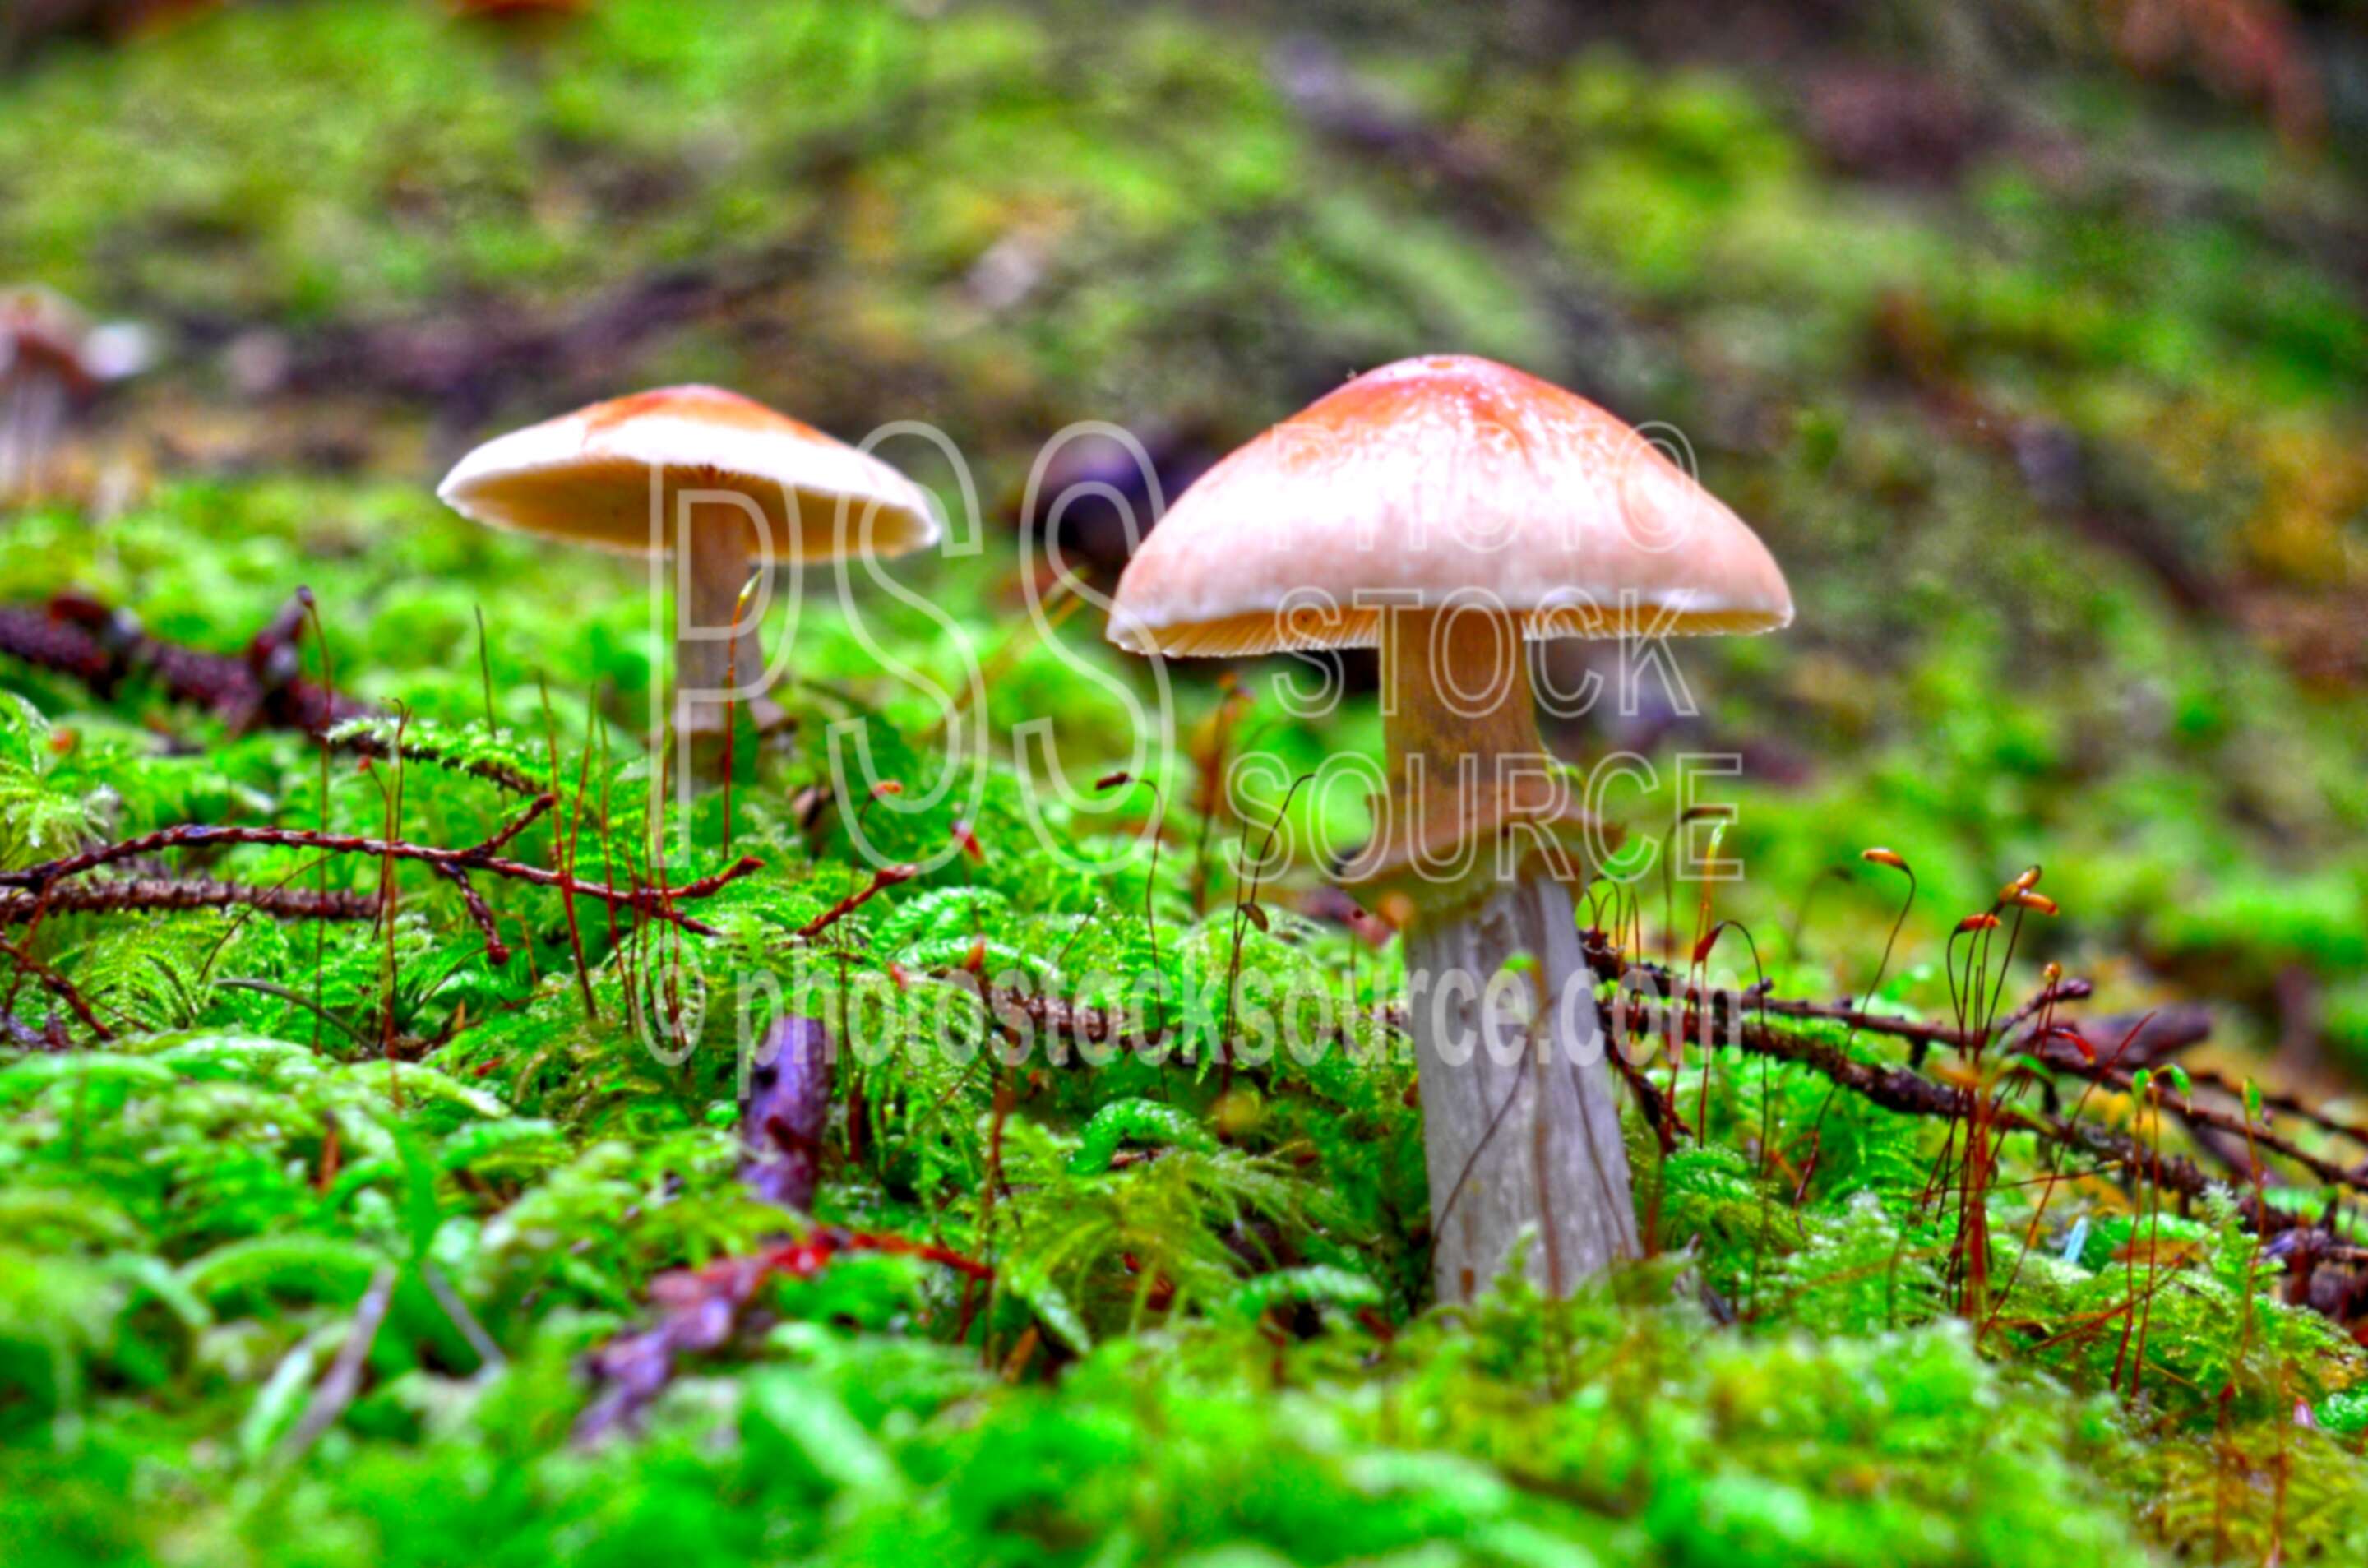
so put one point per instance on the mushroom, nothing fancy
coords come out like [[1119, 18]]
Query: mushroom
[[737, 486], [1447, 510], [52, 361]]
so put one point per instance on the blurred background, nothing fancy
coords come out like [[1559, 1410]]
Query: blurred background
[[2030, 335]]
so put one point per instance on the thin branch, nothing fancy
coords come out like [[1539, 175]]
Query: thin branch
[[656, 903], [1667, 984], [883, 878], [702, 1310], [1900, 1089], [79, 637], [59, 986], [178, 893], [497, 950], [345, 1380], [1905, 1090], [2122, 1080], [510, 831], [103, 647]]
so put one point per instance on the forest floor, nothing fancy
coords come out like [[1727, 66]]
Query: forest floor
[[390, 1238]]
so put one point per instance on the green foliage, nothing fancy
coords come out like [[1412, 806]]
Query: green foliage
[[38, 820]]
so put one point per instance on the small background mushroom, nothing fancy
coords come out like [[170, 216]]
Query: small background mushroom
[[52, 361], [736, 486]]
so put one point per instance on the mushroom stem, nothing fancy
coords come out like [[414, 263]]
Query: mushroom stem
[[14, 436], [714, 671], [1472, 793], [1459, 704], [35, 412], [1521, 1127]]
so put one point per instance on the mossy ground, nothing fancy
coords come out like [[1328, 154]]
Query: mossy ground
[[2060, 445]]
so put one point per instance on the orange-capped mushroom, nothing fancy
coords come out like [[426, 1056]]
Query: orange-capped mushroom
[[1448, 510], [725, 484]]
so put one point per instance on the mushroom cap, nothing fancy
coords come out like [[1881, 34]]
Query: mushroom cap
[[585, 477], [1437, 482]]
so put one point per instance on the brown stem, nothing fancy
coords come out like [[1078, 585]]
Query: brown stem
[[567, 866], [1465, 764], [1458, 687], [656, 903], [59, 986], [883, 878], [479, 911], [714, 673], [172, 893]]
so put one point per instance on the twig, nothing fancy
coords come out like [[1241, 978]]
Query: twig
[[1660, 1111], [784, 1114], [345, 1380], [102, 647], [59, 986], [1905, 1090], [477, 858], [508, 832], [2182, 1029], [77, 636], [197, 893], [1893, 1088], [370, 743], [704, 1310], [390, 890], [489, 1355], [883, 878], [497, 950], [2233, 1124], [321, 933], [566, 863]]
